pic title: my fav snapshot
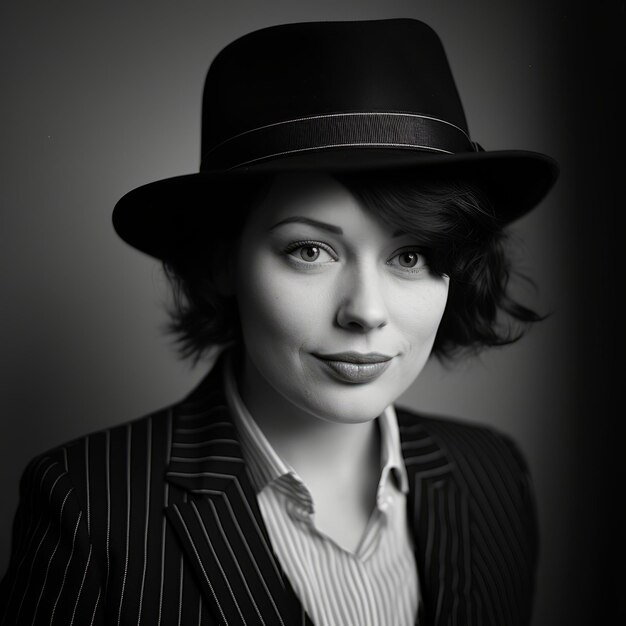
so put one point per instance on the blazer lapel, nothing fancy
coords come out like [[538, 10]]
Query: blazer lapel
[[220, 526], [439, 515], [222, 532]]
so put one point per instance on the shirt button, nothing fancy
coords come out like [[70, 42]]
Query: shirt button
[[385, 502], [298, 511]]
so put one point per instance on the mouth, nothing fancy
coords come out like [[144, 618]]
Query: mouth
[[354, 367]]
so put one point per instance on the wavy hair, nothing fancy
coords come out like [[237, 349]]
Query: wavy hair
[[452, 220]]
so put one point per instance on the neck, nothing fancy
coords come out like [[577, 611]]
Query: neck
[[312, 445]]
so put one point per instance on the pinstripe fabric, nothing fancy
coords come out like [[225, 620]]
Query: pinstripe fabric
[[155, 522], [471, 498], [377, 584]]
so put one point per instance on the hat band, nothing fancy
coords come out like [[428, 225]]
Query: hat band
[[338, 130]]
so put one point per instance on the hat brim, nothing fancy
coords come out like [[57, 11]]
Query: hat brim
[[158, 218]]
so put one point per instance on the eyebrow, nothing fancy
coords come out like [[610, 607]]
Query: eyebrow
[[323, 225], [306, 220]]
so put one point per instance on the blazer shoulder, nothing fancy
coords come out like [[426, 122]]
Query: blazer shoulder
[[129, 443], [453, 432], [157, 419], [90, 455], [474, 449], [70, 515]]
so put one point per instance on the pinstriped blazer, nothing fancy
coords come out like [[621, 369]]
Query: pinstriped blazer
[[155, 522]]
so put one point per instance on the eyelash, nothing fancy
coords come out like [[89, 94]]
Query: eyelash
[[292, 247], [410, 270]]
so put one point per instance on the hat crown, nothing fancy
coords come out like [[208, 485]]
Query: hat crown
[[310, 69], [365, 96]]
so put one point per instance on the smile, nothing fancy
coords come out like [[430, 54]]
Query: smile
[[354, 367]]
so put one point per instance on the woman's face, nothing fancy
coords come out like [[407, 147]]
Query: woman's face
[[338, 312]]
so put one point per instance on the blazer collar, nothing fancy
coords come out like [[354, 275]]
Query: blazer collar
[[223, 534], [438, 507], [220, 526]]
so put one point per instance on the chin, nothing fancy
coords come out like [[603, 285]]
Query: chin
[[350, 404]]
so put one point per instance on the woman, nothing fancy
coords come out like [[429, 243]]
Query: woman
[[342, 229]]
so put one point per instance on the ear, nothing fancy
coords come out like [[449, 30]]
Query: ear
[[223, 267]]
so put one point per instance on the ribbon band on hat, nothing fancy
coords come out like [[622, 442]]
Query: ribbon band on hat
[[318, 132], [361, 96]]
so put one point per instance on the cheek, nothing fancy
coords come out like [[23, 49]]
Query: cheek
[[278, 307], [419, 315]]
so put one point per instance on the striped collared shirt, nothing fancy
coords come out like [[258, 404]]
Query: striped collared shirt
[[375, 586]]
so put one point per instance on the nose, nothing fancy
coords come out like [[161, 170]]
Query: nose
[[362, 306]]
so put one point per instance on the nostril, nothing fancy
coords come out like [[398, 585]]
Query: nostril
[[355, 326]]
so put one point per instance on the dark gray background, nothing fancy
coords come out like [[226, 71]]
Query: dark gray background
[[99, 99]]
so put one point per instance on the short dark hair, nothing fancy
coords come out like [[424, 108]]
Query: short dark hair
[[452, 220]]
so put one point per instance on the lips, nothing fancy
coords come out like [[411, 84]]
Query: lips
[[354, 367]]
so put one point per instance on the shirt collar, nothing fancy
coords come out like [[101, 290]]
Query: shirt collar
[[392, 460], [266, 466]]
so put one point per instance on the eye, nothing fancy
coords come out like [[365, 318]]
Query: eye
[[409, 259], [311, 252]]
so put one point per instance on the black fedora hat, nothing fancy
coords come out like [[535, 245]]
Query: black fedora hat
[[326, 96]]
